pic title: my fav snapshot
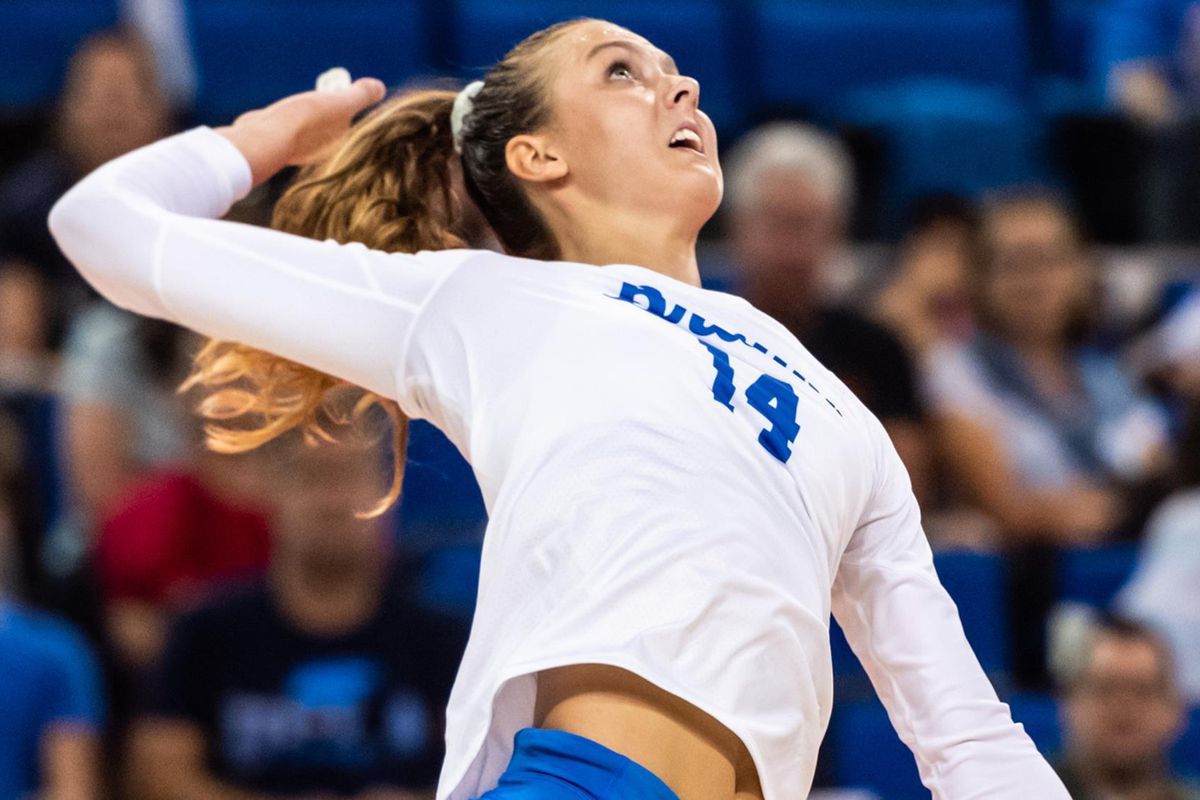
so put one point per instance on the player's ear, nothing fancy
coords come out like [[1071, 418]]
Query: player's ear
[[533, 157]]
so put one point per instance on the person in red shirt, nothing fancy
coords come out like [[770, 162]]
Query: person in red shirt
[[176, 534]]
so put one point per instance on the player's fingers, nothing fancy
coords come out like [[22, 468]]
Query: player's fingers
[[362, 93]]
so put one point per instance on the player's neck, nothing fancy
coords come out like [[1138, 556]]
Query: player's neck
[[630, 239]]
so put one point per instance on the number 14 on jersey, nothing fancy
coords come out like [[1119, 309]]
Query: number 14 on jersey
[[774, 399]]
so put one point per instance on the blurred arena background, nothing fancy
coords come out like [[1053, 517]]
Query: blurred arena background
[[991, 212]]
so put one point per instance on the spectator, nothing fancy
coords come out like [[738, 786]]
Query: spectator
[[26, 412], [928, 302], [1150, 59], [121, 418], [1122, 713], [1042, 430], [49, 685], [1165, 589], [1169, 353], [1149, 52], [790, 197], [178, 534], [111, 103], [26, 364], [323, 680]]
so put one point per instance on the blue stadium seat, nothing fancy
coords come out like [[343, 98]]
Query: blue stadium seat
[[248, 54], [694, 32], [1073, 29], [440, 502], [866, 753], [1185, 758], [1039, 714], [1068, 84], [977, 582], [38, 417], [850, 680], [449, 579], [36, 40], [947, 136], [1094, 575], [812, 53]]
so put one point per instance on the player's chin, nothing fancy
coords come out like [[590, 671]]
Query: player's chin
[[701, 184]]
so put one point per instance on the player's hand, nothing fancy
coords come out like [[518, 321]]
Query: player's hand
[[301, 128]]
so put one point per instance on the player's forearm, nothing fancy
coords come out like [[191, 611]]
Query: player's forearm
[[113, 223], [905, 629]]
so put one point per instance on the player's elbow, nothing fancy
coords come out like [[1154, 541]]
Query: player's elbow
[[68, 223]]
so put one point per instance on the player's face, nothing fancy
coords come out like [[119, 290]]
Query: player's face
[[629, 125]]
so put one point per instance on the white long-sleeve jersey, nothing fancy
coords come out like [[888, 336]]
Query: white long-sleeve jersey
[[675, 486]]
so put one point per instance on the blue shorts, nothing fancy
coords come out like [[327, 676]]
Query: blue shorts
[[556, 765]]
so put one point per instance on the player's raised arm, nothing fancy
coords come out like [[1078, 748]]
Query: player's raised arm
[[905, 629], [142, 230]]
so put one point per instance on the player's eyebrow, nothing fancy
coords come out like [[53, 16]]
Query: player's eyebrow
[[668, 63]]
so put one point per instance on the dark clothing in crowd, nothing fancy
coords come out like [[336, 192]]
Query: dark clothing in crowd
[[26, 197], [289, 712], [1072, 778], [868, 358], [33, 491]]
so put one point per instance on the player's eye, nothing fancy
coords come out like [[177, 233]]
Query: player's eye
[[620, 70]]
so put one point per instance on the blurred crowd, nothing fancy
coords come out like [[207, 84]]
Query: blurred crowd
[[176, 623]]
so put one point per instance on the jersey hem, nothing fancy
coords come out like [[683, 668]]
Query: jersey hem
[[533, 667]]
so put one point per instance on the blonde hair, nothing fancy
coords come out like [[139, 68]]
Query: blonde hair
[[388, 185]]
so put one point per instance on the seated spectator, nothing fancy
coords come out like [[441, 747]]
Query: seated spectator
[[1165, 589], [789, 199], [1122, 713], [1041, 430], [122, 418], [26, 364], [111, 103], [324, 679], [1169, 353], [178, 534], [927, 302], [50, 702], [1148, 54], [1152, 71]]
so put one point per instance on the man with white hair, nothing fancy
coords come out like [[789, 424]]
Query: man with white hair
[[790, 194]]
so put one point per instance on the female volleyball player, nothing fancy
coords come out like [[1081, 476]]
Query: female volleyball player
[[679, 494]]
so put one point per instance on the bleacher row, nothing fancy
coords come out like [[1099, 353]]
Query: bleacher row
[[794, 53], [962, 91]]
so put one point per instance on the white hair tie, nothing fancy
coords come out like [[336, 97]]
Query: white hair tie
[[464, 104]]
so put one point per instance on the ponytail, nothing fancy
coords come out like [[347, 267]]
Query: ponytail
[[388, 185]]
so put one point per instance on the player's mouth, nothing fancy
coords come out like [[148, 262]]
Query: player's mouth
[[687, 138]]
